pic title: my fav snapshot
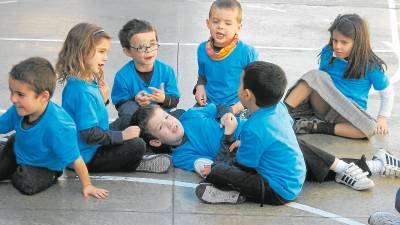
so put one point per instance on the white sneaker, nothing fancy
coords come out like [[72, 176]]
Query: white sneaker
[[355, 178], [383, 218], [391, 164], [155, 163], [199, 165]]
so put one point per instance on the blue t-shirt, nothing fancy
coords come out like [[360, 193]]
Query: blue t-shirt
[[84, 103], [127, 82], [203, 136], [50, 143], [223, 76], [269, 145], [355, 90]]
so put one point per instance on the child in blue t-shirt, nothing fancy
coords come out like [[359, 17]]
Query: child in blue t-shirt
[[269, 166], [338, 92], [223, 57], [195, 137], [144, 79], [44, 142], [84, 97]]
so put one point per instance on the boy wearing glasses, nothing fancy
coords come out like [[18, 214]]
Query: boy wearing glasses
[[144, 79]]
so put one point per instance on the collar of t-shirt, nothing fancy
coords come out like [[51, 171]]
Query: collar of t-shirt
[[146, 76], [26, 124]]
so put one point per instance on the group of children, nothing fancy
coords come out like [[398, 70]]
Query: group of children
[[240, 136]]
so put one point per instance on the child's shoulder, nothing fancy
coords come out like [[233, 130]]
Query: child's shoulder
[[57, 118]]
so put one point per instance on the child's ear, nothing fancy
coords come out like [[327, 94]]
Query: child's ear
[[248, 94], [127, 52], [45, 96], [155, 143], [208, 23]]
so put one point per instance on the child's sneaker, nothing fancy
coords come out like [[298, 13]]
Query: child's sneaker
[[355, 178], [383, 218], [155, 163], [306, 126], [208, 193], [391, 164]]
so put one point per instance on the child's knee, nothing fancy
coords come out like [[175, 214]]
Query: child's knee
[[29, 182]]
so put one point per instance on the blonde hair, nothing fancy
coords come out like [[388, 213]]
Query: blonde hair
[[80, 43], [227, 4]]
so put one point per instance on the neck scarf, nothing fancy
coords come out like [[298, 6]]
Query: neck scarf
[[224, 52]]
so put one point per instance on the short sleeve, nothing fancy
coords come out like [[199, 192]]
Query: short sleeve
[[378, 79], [7, 120], [85, 111], [65, 144], [171, 86], [200, 60]]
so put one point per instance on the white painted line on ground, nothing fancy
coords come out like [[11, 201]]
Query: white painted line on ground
[[288, 48], [264, 8], [8, 2], [193, 185]]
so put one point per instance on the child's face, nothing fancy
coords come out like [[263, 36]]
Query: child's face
[[144, 49], [26, 101], [97, 60], [342, 45], [223, 25], [165, 127]]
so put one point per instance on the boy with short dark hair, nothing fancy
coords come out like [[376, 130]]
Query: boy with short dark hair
[[223, 57], [269, 166], [144, 79], [45, 135]]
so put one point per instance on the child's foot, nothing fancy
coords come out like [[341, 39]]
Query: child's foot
[[202, 166], [208, 193], [391, 164], [383, 218], [306, 126], [355, 178], [155, 163]]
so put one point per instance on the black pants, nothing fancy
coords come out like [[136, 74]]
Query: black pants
[[27, 179], [318, 163], [118, 158], [226, 173]]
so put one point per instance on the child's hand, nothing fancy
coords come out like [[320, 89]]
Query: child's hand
[[158, 95], [229, 122], [98, 193], [234, 146], [142, 98], [237, 108], [130, 132], [104, 90], [382, 126], [201, 96]]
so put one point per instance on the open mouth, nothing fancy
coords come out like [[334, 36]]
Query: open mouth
[[219, 35]]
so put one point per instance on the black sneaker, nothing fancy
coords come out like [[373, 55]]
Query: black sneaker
[[155, 163], [208, 193]]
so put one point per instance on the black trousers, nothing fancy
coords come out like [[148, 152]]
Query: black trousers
[[118, 158], [318, 163], [227, 173], [27, 179]]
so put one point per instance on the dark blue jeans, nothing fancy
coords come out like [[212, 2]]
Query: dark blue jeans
[[27, 179]]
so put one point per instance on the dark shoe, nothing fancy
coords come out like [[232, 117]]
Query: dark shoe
[[208, 193]]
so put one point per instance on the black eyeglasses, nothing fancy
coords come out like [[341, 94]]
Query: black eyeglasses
[[143, 48]]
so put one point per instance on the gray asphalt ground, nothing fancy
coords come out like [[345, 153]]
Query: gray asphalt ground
[[289, 33]]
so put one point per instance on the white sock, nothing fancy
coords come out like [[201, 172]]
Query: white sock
[[200, 163], [341, 166], [376, 166]]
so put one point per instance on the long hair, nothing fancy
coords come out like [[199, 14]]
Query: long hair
[[80, 43], [361, 56]]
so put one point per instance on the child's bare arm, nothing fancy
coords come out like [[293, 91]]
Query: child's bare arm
[[87, 188], [200, 95]]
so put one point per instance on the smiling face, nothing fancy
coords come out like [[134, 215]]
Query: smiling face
[[26, 101], [99, 57], [144, 50], [165, 127], [223, 25], [342, 45]]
